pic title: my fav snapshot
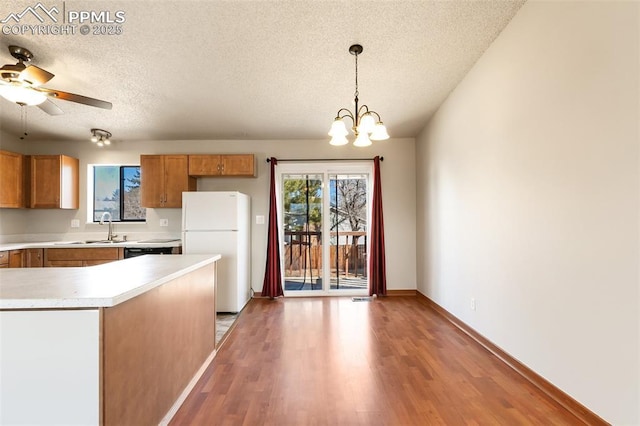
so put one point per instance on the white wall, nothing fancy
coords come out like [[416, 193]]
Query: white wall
[[9, 142], [398, 178], [11, 221], [528, 191]]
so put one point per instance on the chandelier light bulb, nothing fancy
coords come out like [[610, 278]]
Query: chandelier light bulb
[[339, 140], [379, 132], [338, 128], [367, 123], [94, 139], [362, 140], [100, 144], [107, 141]]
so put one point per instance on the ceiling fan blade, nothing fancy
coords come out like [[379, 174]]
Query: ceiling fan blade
[[50, 108], [36, 76], [76, 98]]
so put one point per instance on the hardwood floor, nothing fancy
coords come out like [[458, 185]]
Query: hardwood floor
[[331, 361]]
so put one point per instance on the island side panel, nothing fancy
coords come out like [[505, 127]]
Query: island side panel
[[50, 367], [154, 344]]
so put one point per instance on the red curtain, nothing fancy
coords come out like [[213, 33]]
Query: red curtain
[[272, 284], [377, 268]]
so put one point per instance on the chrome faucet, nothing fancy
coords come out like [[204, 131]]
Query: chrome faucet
[[107, 216]]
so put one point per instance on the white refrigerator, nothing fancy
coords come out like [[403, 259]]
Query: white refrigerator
[[219, 223]]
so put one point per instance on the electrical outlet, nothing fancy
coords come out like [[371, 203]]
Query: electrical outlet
[[75, 223], [473, 304], [164, 222]]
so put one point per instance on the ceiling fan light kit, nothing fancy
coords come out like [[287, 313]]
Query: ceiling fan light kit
[[21, 95], [20, 83], [367, 125], [100, 137]]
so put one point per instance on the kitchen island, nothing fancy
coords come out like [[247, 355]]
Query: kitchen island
[[119, 343]]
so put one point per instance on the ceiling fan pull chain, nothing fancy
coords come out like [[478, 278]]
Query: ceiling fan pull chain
[[26, 119], [23, 120]]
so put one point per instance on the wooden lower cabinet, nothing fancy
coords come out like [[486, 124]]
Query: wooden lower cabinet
[[64, 257], [23, 258], [16, 258], [34, 258], [63, 263]]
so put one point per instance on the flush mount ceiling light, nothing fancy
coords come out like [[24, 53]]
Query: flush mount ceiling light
[[366, 127], [100, 137]]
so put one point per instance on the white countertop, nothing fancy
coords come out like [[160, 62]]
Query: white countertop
[[79, 244], [93, 286]]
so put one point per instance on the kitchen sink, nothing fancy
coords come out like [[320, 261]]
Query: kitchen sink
[[64, 243]]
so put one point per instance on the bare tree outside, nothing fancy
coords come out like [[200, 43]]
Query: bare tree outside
[[131, 202], [348, 200], [350, 205], [117, 191]]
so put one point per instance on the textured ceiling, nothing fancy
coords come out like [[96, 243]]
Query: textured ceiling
[[252, 69]]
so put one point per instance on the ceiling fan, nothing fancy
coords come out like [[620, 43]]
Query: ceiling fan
[[21, 84]]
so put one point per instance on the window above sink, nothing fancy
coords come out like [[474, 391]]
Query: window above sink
[[115, 189]]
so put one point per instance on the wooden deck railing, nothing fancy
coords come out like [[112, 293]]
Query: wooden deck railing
[[303, 252]]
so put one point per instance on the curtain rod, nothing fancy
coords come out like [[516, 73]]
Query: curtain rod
[[323, 159]]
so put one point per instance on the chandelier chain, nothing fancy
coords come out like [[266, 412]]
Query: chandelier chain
[[356, 92]]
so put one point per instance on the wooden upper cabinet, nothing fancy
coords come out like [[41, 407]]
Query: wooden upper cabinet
[[151, 180], [204, 165], [54, 182], [238, 165], [163, 180], [177, 179], [233, 165], [13, 180]]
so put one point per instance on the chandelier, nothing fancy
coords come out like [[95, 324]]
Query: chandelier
[[367, 125], [100, 137]]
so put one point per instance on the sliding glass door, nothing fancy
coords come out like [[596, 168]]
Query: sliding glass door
[[324, 211]]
